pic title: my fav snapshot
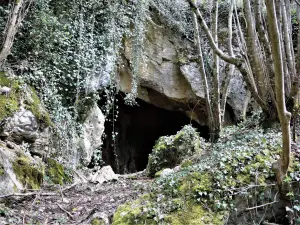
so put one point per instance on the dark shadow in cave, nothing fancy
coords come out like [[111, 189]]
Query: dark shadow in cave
[[138, 128]]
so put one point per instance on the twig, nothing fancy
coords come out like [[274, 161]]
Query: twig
[[69, 187], [91, 212], [27, 194], [69, 214], [81, 176], [46, 221], [259, 206], [61, 193]]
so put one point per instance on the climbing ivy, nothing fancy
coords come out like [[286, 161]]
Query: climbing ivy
[[69, 50]]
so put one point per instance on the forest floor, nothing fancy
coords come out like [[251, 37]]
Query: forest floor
[[75, 204]]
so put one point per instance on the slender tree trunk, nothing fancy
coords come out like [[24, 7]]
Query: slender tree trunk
[[254, 52], [12, 26], [203, 73], [288, 45], [229, 67], [282, 164], [239, 63], [295, 93], [216, 77]]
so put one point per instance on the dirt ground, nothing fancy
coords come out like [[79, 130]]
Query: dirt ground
[[75, 204]]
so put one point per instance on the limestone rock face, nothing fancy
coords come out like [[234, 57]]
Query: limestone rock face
[[22, 126], [91, 138], [169, 76], [18, 170]]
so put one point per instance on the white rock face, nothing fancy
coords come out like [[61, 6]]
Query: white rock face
[[91, 138], [169, 76], [8, 179], [105, 174], [22, 126]]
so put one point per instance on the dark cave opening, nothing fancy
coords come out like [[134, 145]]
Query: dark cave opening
[[138, 128]]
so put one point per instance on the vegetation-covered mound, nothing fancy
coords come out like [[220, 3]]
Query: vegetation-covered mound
[[232, 176], [14, 94], [169, 151]]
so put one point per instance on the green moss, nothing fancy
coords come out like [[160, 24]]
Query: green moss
[[29, 175], [56, 172], [97, 221], [10, 103], [2, 171], [170, 151], [186, 163], [133, 213], [196, 183], [157, 174], [35, 107], [193, 214], [4, 81]]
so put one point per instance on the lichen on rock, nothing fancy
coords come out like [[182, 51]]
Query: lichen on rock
[[169, 151]]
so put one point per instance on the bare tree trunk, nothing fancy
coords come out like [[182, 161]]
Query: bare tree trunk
[[282, 164], [203, 73], [254, 52], [17, 15], [295, 93], [230, 67], [239, 63], [216, 77], [288, 45]]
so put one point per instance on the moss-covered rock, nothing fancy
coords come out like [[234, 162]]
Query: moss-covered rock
[[236, 170], [169, 151], [9, 103], [194, 214], [136, 212], [30, 175], [97, 221], [21, 94], [34, 105], [2, 171], [56, 172]]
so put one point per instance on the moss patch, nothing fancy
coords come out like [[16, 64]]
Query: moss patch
[[97, 221], [193, 214], [8, 103], [56, 172], [2, 171], [35, 107], [11, 103], [28, 174], [136, 212], [169, 151]]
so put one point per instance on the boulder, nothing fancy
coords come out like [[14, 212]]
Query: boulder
[[18, 170], [105, 174], [22, 126], [91, 137], [170, 151]]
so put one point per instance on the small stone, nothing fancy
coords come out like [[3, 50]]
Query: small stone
[[10, 145], [166, 172], [4, 134]]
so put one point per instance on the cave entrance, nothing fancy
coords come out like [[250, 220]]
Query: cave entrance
[[137, 128]]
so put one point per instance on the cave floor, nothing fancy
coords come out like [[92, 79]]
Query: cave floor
[[75, 204]]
